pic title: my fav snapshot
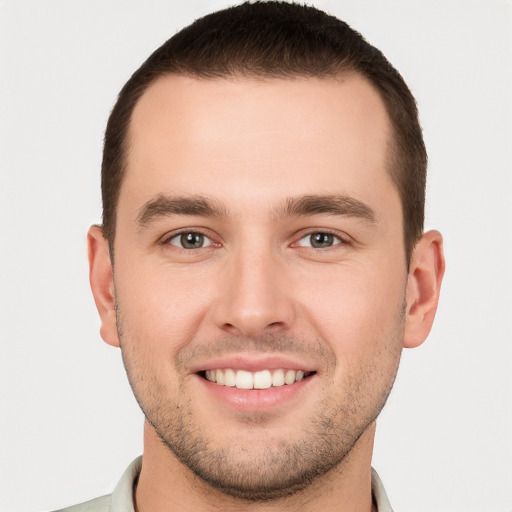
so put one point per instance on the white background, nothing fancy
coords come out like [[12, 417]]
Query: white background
[[69, 424]]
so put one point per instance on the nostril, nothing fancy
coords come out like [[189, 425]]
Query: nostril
[[274, 326]]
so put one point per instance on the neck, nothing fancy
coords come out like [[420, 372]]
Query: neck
[[166, 485]]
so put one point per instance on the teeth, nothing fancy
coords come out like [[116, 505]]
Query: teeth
[[229, 378], [244, 380], [278, 378], [263, 379], [289, 378]]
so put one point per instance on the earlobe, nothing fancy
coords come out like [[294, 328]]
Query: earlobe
[[423, 287], [101, 278]]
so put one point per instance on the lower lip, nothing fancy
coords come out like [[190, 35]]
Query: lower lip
[[257, 399]]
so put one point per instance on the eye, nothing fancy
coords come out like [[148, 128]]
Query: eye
[[190, 240], [319, 240]]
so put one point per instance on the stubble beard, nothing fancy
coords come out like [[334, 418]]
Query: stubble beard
[[277, 468]]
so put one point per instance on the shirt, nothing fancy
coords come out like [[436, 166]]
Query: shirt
[[121, 500]]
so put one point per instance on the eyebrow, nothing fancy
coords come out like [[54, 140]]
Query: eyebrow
[[201, 206], [165, 206], [328, 205]]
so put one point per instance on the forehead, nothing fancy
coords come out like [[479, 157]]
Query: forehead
[[273, 137]]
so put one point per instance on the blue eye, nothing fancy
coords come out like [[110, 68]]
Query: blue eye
[[319, 240], [190, 240]]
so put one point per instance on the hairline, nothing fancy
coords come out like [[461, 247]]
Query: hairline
[[339, 73]]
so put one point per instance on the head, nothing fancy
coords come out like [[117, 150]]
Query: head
[[276, 40], [263, 183]]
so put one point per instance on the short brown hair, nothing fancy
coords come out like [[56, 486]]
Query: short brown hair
[[276, 40]]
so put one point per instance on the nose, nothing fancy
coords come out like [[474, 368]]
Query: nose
[[255, 295]]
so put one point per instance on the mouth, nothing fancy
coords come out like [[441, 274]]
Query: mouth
[[262, 379]]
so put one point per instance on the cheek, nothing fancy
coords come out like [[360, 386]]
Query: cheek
[[161, 306], [357, 310]]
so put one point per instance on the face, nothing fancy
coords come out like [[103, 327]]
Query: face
[[260, 274]]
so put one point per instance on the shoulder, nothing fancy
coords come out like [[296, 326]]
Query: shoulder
[[121, 500], [380, 497], [101, 504]]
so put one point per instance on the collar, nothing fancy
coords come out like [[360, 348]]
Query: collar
[[122, 497]]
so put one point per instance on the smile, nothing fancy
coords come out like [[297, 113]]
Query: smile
[[264, 379]]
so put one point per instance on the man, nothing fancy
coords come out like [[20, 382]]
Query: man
[[262, 261]]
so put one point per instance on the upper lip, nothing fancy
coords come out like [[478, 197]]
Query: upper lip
[[253, 363]]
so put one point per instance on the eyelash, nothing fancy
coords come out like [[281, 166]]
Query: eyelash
[[342, 240], [338, 240], [168, 239]]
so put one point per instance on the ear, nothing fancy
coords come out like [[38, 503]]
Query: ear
[[423, 286], [101, 277]]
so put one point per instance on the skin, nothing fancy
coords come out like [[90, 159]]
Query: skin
[[257, 292]]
